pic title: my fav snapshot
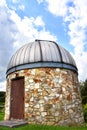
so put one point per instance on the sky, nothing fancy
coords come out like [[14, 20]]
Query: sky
[[62, 21]]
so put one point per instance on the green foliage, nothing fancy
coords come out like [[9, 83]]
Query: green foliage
[[83, 88], [2, 96], [2, 101], [85, 112]]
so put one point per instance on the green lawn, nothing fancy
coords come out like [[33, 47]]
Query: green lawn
[[1, 116], [40, 127]]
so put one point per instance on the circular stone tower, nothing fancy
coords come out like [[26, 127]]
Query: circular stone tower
[[42, 85]]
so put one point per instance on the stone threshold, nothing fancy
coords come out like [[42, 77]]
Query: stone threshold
[[13, 123]]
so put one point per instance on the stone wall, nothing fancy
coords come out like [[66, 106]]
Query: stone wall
[[52, 96]]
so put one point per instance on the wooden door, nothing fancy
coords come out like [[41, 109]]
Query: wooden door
[[17, 99]]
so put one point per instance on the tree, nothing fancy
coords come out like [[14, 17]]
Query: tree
[[2, 96], [83, 89]]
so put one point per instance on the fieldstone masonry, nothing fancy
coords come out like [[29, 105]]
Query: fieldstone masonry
[[52, 96]]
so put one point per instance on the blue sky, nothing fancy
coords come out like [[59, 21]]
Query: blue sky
[[23, 21]]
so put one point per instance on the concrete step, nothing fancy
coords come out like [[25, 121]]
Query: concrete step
[[13, 123]]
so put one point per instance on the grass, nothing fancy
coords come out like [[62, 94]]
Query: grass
[[1, 116], [41, 127]]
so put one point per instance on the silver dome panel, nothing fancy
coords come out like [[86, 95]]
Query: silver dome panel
[[41, 53]]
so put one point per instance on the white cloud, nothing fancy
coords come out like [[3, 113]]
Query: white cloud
[[2, 3], [56, 7], [74, 14], [46, 35], [7, 28], [77, 33], [17, 5], [15, 1], [39, 21], [29, 29], [21, 7], [3, 86], [40, 1]]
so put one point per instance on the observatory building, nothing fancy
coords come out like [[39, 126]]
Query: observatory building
[[42, 85]]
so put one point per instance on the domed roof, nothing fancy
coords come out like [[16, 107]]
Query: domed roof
[[41, 53]]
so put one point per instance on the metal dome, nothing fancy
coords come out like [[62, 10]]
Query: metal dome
[[41, 53]]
